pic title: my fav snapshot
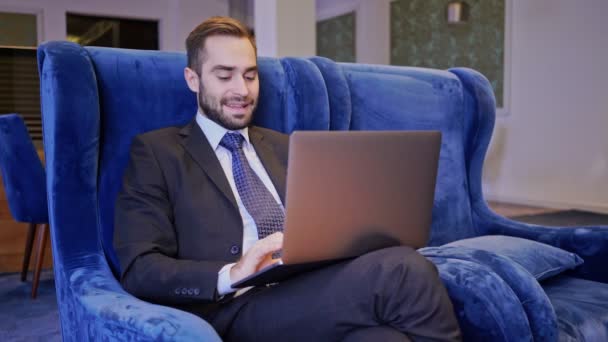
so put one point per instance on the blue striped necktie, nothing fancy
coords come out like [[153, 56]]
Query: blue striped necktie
[[266, 212]]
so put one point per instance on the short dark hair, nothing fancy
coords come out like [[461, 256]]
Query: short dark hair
[[214, 26]]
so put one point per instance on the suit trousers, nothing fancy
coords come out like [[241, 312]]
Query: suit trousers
[[392, 294]]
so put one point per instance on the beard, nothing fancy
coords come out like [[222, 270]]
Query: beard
[[212, 107]]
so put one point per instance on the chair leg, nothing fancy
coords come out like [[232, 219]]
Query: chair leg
[[42, 236], [28, 251]]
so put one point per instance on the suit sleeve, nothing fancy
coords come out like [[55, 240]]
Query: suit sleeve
[[146, 243]]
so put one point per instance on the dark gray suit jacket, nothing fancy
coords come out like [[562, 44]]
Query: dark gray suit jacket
[[177, 221]]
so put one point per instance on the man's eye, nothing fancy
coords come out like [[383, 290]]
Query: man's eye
[[223, 78], [251, 77]]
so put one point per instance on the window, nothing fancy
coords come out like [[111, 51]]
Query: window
[[19, 83], [112, 32]]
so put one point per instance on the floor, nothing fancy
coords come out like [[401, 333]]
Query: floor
[[23, 319], [510, 210]]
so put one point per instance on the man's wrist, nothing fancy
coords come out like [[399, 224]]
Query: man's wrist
[[224, 282]]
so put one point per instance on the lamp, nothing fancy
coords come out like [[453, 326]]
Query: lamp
[[457, 12]]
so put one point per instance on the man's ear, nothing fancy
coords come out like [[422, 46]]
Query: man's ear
[[192, 79]]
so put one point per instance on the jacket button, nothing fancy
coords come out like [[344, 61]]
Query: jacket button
[[184, 291], [234, 250], [190, 292], [197, 291], [177, 291]]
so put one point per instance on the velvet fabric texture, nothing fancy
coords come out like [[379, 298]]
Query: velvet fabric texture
[[92, 304], [534, 302], [95, 100], [582, 314], [396, 98], [486, 307], [22, 172], [541, 260]]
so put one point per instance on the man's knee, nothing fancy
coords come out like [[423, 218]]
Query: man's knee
[[400, 275], [409, 294], [386, 274], [401, 258]]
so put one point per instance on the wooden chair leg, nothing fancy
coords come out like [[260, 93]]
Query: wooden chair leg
[[28, 251], [42, 236]]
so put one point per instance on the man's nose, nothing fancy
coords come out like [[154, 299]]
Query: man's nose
[[240, 86]]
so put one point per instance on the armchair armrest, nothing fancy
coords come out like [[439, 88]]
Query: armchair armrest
[[486, 307], [102, 310], [589, 242]]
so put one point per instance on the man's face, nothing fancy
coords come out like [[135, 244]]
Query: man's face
[[228, 87]]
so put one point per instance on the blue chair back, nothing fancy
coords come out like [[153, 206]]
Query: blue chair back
[[376, 97], [22, 172], [106, 96]]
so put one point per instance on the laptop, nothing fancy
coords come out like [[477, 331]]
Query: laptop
[[352, 192]]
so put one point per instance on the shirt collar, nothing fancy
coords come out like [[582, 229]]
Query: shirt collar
[[214, 132]]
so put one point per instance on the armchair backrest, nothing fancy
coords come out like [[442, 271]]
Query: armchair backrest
[[375, 97], [22, 171], [96, 99]]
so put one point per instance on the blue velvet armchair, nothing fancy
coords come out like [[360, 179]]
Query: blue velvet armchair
[[504, 283], [25, 186]]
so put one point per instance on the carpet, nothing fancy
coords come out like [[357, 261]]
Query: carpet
[[23, 318], [565, 218]]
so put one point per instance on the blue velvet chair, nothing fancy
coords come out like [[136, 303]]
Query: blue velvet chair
[[25, 187], [505, 284]]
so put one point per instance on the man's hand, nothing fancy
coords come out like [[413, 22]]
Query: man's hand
[[256, 257]]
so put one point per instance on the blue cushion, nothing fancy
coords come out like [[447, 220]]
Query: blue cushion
[[536, 304], [486, 307], [541, 260]]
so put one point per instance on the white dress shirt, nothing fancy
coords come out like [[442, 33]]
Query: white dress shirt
[[214, 133]]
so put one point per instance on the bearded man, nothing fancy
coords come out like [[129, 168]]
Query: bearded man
[[202, 206]]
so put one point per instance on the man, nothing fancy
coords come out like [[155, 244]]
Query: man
[[201, 207]]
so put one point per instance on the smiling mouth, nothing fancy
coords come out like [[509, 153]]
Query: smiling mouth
[[237, 106]]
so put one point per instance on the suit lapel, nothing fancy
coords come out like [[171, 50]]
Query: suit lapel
[[197, 145], [269, 159]]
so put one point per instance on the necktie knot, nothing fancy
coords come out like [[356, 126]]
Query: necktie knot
[[232, 141]]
